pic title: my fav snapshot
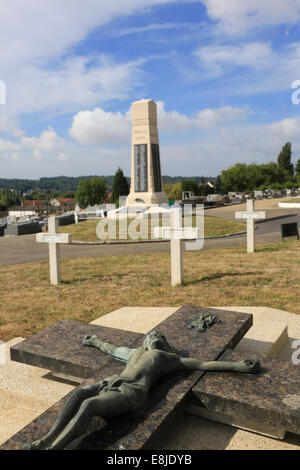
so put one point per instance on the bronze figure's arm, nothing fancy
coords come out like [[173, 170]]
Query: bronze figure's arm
[[247, 366], [120, 353]]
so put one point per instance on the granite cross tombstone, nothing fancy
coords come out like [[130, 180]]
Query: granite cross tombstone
[[267, 403], [71, 358], [250, 215], [176, 233], [54, 239]]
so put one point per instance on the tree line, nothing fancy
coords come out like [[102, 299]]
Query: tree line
[[9, 198], [272, 175], [70, 184], [93, 190]]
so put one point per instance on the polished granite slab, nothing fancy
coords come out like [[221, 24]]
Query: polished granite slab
[[59, 348], [268, 403], [137, 431]]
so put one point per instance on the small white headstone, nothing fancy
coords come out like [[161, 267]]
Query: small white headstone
[[250, 216], [54, 239], [176, 233]]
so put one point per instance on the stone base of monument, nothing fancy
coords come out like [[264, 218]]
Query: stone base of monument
[[148, 199]]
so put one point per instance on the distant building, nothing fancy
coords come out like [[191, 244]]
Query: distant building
[[214, 197], [33, 203], [28, 211], [22, 211], [187, 195], [63, 204]]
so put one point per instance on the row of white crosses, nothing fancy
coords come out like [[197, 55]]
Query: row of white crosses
[[251, 216], [176, 233], [54, 238]]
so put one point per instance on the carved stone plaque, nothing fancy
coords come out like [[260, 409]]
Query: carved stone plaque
[[156, 168], [141, 168]]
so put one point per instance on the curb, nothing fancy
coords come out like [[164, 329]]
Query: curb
[[263, 221], [289, 205], [79, 242]]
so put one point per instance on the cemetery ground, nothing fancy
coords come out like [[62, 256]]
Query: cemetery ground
[[92, 287]]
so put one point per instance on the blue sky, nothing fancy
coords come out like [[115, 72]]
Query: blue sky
[[220, 71]]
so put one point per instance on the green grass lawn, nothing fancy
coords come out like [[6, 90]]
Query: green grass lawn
[[93, 287], [213, 226]]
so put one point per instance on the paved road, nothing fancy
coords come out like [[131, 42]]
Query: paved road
[[24, 249]]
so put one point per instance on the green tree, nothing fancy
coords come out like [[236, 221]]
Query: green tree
[[297, 168], [98, 190], [236, 178], [242, 177], [168, 188], [176, 192], [190, 185], [284, 161], [120, 186], [91, 191], [9, 198], [218, 185], [205, 189], [83, 193], [269, 174]]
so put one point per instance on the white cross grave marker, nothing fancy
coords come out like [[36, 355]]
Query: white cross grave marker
[[54, 239], [250, 215], [176, 233]]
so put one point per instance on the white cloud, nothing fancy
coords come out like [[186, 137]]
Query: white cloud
[[217, 148], [209, 118], [262, 69], [36, 61], [150, 27], [227, 146], [215, 57], [100, 127], [9, 124], [77, 82], [35, 31], [48, 145], [8, 146], [240, 16], [173, 121], [285, 129]]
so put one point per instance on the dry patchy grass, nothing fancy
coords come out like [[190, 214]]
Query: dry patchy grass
[[95, 286]]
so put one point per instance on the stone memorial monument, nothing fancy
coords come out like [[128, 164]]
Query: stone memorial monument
[[146, 180]]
